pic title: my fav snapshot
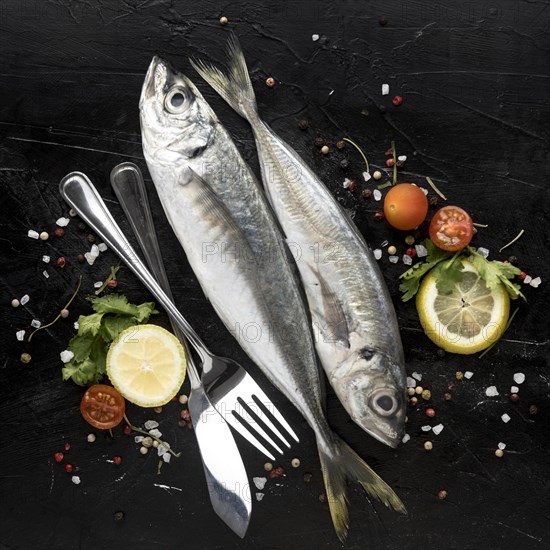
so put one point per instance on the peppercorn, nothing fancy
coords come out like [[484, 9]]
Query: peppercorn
[[390, 162], [183, 399], [90, 238], [514, 398], [428, 445], [448, 396], [118, 516], [325, 150], [73, 213], [533, 410], [117, 460], [377, 175], [522, 275], [440, 352], [295, 462], [513, 260], [58, 457], [185, 415], [81, 226], [59, 232], [413, 401], [276, 472], [44, 236], [307, 477], [410, 392], [499, 453], [430, 412], [182, 423], [113, 283], [411, 252], [61, 262], [379, 216], [319, 142], [81, 259], [340, 144], [91, 438], [409, 239], [145, 450], [433, 200], [147, 441], [126, 429], [68, 468], [418, 390], [382, 21], [400, 164], [303, 124], [392, 251], [397, 100], [158, 410], [268, 466], [25, 358], [442, 495], [64, 313], [366, 193], [15, 302], [459, 375], [426, 395], [223, 20], [270, 82]]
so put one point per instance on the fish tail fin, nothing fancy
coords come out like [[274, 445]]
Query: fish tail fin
[[235, 87], [341, 465]]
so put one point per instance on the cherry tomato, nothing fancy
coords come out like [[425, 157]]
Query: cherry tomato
[[451, 228], [405, 206], [102, 406]]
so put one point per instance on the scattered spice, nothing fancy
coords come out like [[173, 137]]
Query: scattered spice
[[397, 101], [126, 430], [295, 462], [513, 260], [91, 438], [58, 457], [325, 150], [112, 277], [15, 302], [270, 82], [143, 450], [340, 144], [514, 398], [413, 401], [81, 226], [433, 201], [276, 472], [61, 262], [44, 236], [25, 358], [223, 20], [390, 163], [379, 216], [318, 142], [322, 497], [73, 213], [67, 447], [382, 21], [411, 252], [307, 477], [410, 391], [392, 250], [64, 313], [69, 468], [426, 395], [158, 410], [499, 453], [459, 375], [442, 495], [303, 124], [428, 446], [533, 410], [118, 516], [268, 466], [183, 399], [430, 412], [59, 232], [90, 238], [366, 193], [418, 390], [409, 239], [117, 460], [448, 396], [377, 175]]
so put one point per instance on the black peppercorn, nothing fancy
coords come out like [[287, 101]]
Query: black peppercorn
[[118, 516], [340, 144], [514, 398], [434, 201], [319, 142], [303, 124], [82, 226], [91, 238], [344, 163], [366, 194], [81, 258], [307, 477], [533, 410], [513, 260], [441, 352], [382, 21]]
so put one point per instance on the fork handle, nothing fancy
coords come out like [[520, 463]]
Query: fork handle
[[80, 194]]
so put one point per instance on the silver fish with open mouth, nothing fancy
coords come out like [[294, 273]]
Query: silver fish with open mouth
[[210, 196], [358, 338]]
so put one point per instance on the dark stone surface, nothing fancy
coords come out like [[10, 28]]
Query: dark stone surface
[[475, 118]]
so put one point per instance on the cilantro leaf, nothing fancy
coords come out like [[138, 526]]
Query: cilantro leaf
[[82, 373], [89, 324], [145, 310], [448, 275], [98, 355], [80, 346], [113, 326], [114, 303]]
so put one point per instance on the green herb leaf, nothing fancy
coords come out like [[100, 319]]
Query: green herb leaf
[[145, 310], [113, 326], [83, 373], [98, 355], [89, 324], [448, 275], [80, 346], [114, 303]]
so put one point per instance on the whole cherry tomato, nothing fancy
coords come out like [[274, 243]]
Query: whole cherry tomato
[[405, 206]]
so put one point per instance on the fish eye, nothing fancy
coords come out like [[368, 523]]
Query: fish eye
[[367, 353], [176, 101], [384, 403]]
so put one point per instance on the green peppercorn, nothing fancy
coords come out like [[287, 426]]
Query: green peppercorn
[[319, 142], [25, 358]]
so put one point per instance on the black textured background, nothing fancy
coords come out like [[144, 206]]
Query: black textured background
[[475, 81]]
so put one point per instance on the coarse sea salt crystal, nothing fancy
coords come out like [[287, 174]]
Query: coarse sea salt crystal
[[162, 448], [393, 259], [406, 438], [502, 446], [259, 482], [76, 480], [46, 274], [417, 376], [35, 323], [139, 438], [536, 282], [20, 334], [102, 247], [377, 253], [156, 433], [527, 280], [89, 258], [421, 250], [505, 418], [166, 457], [33, 234], [63, 222], [519, 378], [491, 391], [402, 158], [366, 176], [437, 429], [98, 284], [260, 496], [346, 183], [385, 89], [377, 194], [46, 259], [407, 260], [411, 382], [94, 251], [24, 299], [66, 355], [483, 251], [514, 389], [468, 374], [314, 37], [150, 424], [76, 325], [426, 428]]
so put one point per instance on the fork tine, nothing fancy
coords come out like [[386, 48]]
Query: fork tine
[[266, 402], [235, 423]]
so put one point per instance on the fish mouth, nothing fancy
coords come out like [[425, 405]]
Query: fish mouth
[[160, 76], [390, 439]]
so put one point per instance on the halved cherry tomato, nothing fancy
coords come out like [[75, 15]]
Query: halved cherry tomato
[[102, 406], [405, 206], [451, 228]]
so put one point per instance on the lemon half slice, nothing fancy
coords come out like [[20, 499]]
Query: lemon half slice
[[469, 319], [146, 364]]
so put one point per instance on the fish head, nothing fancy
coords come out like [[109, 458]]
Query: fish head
[[176, 122], [376, 400]]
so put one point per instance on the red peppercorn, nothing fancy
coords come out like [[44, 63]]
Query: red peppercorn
[[379, 216], [430, 412], [113, 283], [126, 430], [522, 275], [397, 100], [352, 186], [68, 468], [411, 252], [185, 415], [276, 472], [67, 446], [59, 232], [117, 460], [390, 163], [61, 262], [58, 457]]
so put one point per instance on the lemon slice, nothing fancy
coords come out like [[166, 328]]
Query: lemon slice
[[469, 319], [146, 364]]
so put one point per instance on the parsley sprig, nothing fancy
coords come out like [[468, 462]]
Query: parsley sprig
[[113, 314]]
